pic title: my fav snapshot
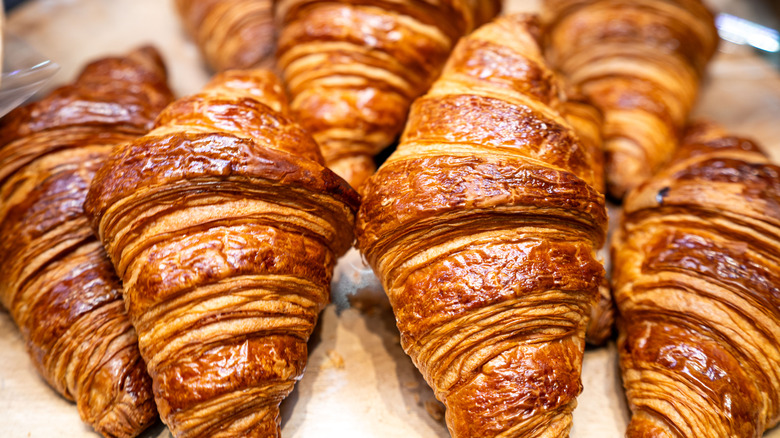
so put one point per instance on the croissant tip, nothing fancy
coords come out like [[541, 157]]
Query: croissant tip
[[645, 425]]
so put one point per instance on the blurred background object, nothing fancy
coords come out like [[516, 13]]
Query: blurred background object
[[25, 71], [740, 31], [754, 23], [763, 12]]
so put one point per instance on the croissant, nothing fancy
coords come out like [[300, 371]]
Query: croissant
[[640, 62], [55, 279], [482, 227], [224, 226], [697, 269], [354, 67], [231, 33]]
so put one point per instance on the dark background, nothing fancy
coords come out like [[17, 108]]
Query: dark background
[[9, 4]]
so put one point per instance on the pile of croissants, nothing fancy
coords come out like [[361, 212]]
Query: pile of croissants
[[171, 257]]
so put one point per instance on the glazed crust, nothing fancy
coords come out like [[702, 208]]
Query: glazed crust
[[354, 67], [482, 227], [641, 63], [231, 34], [225, 227], [55, 278], [696, 280]]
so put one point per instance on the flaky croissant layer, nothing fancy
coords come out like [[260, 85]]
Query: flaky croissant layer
[[231, 34], [640, 62], [696, 265], [482, 227], [354, 67], [225, 227], [55, 278]]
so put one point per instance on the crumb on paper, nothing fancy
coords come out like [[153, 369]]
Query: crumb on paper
[[435, 409], [411, 384], [334, 360]]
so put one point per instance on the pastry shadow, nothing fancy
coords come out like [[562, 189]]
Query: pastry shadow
[[156, 430], [360, 293], [287, 407]]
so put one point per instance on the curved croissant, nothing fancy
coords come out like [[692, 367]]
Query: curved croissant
[[482, 227], [55, 278], [697, 269], [231, 33], [640, 62], [224, 226], [354, 67]]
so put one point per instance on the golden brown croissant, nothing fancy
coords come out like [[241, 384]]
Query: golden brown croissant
[[354, 67], [231, 33], [55, 278], [696, 272], [224, 226], [482, 227], [640, 62]]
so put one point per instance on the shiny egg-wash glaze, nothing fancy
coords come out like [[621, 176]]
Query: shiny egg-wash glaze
[[353, 68], [697, 275], [225, 226], [482, 227], [55, 279], [638, 61], [231, 33]]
